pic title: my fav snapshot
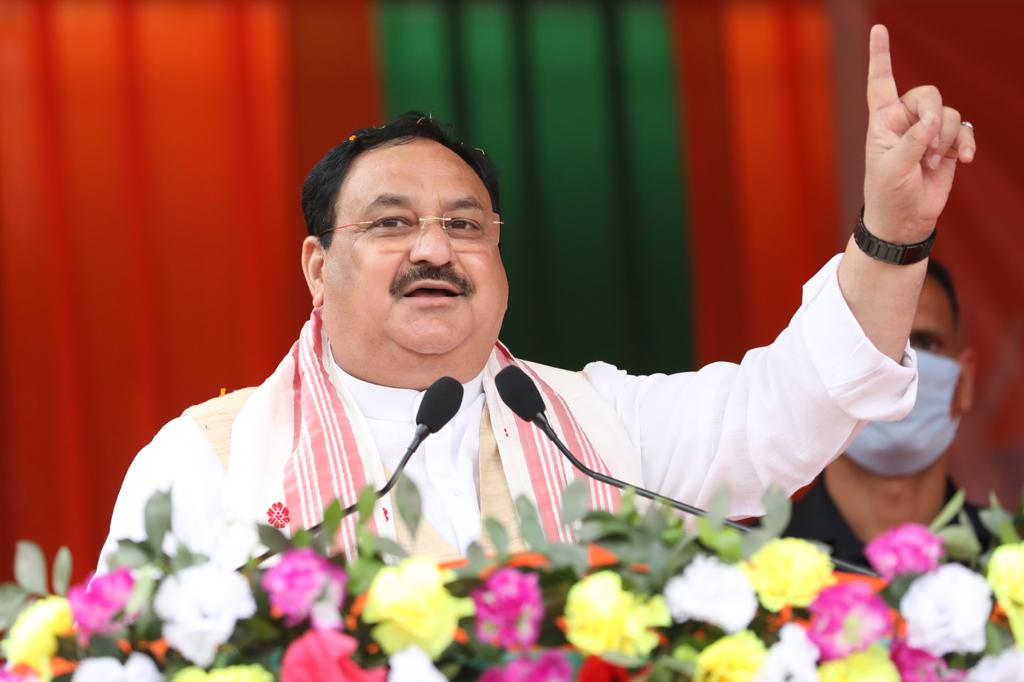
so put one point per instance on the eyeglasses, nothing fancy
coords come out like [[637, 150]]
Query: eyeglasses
[[400, 232]]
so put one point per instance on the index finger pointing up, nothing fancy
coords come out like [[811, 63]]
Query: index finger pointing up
[[881, 84]]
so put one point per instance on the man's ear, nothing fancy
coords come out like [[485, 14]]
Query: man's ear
[[963, 396], [313, 258]]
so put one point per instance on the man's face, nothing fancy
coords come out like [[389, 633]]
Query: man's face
[[430, 297], [934, 330]]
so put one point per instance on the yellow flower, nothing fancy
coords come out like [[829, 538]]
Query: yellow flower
[[872, 665], [234, 673], [1006, 576], [32, 640], [788, 571], [602, 618], [411, 606], [735, 658]]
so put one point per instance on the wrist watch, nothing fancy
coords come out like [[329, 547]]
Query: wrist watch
[[889, 252]]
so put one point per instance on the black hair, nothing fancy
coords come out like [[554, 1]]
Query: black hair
[[320, 190], [940, 274]]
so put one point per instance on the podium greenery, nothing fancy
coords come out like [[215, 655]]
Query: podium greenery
[[641, 594]]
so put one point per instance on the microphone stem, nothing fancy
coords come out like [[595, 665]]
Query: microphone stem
[[542, 421]]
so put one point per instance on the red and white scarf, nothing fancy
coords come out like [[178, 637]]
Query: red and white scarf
[[327, 464]]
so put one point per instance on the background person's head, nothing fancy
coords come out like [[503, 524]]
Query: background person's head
[[945, 388], [403, 303]]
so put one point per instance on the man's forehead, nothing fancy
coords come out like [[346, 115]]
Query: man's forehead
[[410, 172]]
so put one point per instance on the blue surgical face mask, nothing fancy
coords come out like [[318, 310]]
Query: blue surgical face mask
[[914, 443]]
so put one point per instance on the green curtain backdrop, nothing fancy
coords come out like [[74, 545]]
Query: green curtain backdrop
[[576, 103]]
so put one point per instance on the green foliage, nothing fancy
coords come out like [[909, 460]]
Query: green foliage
[[12, 600], [30, 567], [530, 528], [158, 519], [575, 502], [409, 503], [960, 541], [62, 571], [949, 512], [498, 535], [999, 522]]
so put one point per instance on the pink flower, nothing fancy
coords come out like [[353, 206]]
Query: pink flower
[[916, 665], [847, 618], [909, 548], [551, 666], [509, 609], [303, 585], [325, 656], [9, 675], [96, 603]]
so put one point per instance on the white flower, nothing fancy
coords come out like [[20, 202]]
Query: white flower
[[413, 665], [946, 611], [792, 659], [1006, 667], [199, 607], [712, 592], [138, 668]]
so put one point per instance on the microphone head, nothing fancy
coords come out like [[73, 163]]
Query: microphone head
[[519, 392], [440, 403]]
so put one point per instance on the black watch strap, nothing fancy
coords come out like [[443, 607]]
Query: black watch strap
[[888, 252]]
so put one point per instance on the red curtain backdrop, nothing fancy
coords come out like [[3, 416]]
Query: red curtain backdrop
[[150, 159], [972, 52]]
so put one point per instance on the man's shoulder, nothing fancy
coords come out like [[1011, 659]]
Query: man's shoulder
[[215, 417]]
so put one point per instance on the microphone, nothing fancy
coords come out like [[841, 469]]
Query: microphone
[[521, 395], [440, 403]]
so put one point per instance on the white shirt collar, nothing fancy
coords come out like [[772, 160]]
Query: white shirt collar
[[396, 404]]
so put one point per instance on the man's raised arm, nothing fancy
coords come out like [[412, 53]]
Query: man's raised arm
[[913, 145]]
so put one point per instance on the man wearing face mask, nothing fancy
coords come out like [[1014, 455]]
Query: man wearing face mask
[[897, 472]]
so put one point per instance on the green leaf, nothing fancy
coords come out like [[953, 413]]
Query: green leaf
[[476, 561], [996, 639], [409, 503], [365, 503], [12, 599], [101, 646], [361, 573], [719, 506], [574, 557], [498, 535], [30, 567], [273, 539], [158, 519], [729, 545], [62, 571], [302, 538], [184, 558], [960, 542], [575, 502], [145, 584], [777, 511], [130, 554], [530, 528], [389, 546], [999, 522], [949, 512], [332, 521]]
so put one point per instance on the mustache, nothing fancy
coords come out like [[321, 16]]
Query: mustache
[[444, 273]]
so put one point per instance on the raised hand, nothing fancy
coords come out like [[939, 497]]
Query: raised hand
[[913, 145]]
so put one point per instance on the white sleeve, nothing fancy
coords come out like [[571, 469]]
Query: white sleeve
[[778, 417], [179, 459]]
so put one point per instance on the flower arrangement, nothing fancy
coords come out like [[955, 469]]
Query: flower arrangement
[[644, 595]]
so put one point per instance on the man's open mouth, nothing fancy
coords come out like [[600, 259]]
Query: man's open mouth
[[431, 291]]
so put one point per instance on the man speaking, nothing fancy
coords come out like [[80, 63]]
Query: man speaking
[[404, 267]]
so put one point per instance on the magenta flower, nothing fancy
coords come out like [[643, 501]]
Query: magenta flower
[[847, 618], [304, 585], [908, 548], [509, 609], [916, 665], [96, 603], [8, 675], [551, 666]]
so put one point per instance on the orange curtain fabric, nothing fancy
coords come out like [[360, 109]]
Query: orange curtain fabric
[[757, 94], [139, 142]]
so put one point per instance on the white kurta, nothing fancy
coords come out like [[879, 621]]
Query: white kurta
[[778, 417]]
